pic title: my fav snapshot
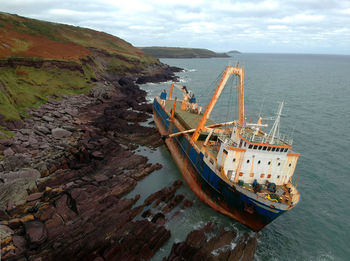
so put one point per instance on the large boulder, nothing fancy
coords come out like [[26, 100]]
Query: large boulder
[[16, 184], [43, 129], [5, 234], [60, 133]]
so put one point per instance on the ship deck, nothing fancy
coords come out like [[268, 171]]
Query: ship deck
[[188, 119]]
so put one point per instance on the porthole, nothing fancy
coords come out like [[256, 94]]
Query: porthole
[[279, 164], [234, 159], [259, 162], [290, 164], [278, 176], [247, 161], [269, 163], [206, 155]]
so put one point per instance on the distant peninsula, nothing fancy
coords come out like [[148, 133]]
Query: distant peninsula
[[178, 52], [233, 52]]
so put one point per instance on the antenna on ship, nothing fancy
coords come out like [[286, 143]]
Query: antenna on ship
[[275, 130]]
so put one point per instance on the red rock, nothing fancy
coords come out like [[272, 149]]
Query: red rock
[[34, 196], [63, 209], [19, 242], [36, 233], [101, 178], [159, 219], [97, 155], [45, 213], [187, 203]]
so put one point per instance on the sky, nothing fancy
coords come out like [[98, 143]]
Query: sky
[[289, 26]]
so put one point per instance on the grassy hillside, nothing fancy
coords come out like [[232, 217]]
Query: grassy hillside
[[39, 59], [177, 52]]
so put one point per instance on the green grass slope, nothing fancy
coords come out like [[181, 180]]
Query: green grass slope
[[177, 52], [39, 59]]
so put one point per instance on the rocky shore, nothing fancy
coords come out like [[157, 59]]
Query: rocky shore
[[65, 173]]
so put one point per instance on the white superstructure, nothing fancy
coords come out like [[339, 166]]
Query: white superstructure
[[251, 155]]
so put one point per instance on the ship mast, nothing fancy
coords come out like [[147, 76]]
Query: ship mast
[[275, 130], [227, 73]]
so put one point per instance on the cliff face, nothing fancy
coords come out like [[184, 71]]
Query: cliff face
[[40, 59]]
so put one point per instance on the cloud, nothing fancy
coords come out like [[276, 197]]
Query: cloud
[[247, 25]]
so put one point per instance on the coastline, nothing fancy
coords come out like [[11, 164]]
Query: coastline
[[65, 172]]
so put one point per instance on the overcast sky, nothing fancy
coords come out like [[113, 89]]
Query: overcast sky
[[286, 26]]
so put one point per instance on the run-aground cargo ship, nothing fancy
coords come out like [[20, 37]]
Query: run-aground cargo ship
[[235, 167]]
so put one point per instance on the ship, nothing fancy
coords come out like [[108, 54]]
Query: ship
[[235, 167]]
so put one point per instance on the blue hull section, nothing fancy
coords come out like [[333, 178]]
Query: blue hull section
[[216, 188]]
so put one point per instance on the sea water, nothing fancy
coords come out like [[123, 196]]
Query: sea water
[[316, 91]]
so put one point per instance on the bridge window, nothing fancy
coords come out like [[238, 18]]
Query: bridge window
[[250, 146], [273, 149], [260, 147], [268, 148], [264, 148], [278, 149], [255, 146]]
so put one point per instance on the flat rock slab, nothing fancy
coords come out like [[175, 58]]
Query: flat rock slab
[[101, 178], [60, 133], [48, 119], [43, 129], [35, 232], [34, 196], [97, 155]]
